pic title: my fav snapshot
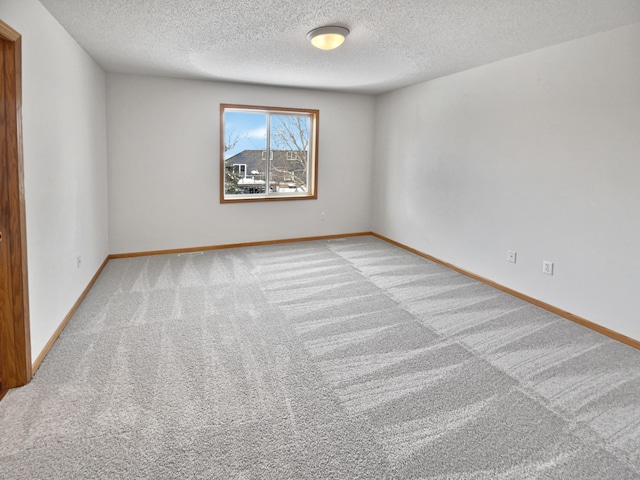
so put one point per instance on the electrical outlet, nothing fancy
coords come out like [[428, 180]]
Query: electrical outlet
[[78, 261], [322, 216], [511, 256], [547, 267]]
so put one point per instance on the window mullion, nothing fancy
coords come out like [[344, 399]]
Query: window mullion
[[267, 161]]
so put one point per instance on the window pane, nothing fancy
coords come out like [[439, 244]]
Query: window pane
[[245, 145], [268, 153], [289, 142]]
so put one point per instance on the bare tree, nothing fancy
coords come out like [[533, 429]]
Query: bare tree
[[290, 134], [231, 177]]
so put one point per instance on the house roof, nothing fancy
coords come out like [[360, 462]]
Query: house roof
[[253, 159], [255, 162], [392, 43]]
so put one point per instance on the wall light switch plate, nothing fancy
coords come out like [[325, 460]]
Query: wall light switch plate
[[547, 267], [511, 256]]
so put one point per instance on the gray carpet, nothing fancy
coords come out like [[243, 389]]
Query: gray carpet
[[342, 359]]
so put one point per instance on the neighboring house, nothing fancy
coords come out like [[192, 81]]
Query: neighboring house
[[247, 171]]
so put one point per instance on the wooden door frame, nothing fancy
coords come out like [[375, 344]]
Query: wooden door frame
[[16, 368]]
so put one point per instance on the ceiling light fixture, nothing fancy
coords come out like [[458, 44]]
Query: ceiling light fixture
[[327, 38]]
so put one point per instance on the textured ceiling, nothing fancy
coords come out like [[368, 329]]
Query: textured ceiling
[[393, 43]]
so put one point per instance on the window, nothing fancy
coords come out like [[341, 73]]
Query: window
[[240, 169], [267, 153]]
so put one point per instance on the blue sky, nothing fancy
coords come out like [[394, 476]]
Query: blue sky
[[252, 125]]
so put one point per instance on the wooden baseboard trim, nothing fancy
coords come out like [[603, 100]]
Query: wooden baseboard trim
[[561, 313], [64, 323], [234, 245]]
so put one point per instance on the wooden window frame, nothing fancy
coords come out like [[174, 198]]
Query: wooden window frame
[[314, 131]]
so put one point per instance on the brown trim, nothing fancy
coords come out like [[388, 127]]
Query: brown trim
[[222, 161], [561, 313], [235, 245], [56, 334], [8, 33], [313, 180], [17, 371], [3, 393], [270, 199]]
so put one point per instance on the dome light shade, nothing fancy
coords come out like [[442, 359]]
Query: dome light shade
[[327, 38]]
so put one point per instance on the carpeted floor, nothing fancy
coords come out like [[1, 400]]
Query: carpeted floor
[[341, 359]]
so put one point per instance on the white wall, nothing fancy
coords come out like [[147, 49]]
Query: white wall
[[64, 139], [539, 153], [164, 165]]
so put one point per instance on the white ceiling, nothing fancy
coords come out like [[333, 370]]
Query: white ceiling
[[393, 43]]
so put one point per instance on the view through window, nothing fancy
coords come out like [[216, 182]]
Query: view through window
[[268, 153]]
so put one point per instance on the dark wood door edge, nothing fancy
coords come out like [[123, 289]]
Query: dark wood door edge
[[17, 369]]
